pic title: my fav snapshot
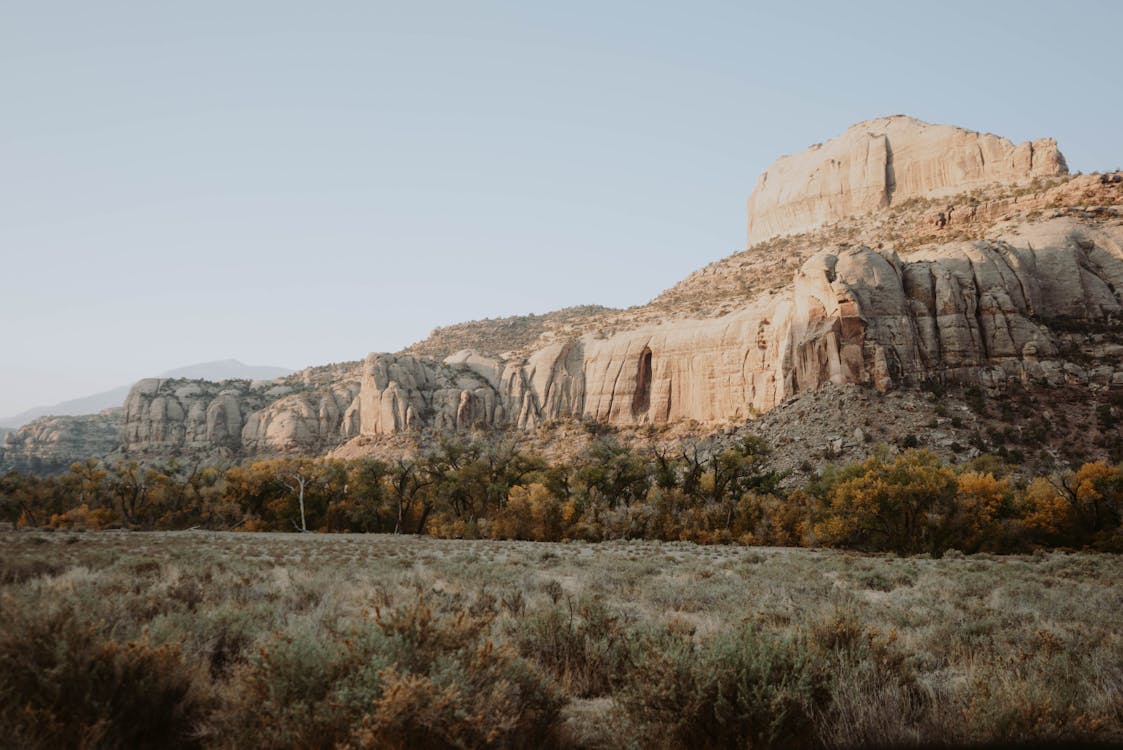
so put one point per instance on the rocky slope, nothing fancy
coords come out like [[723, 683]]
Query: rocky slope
[[977, 263], [517, 333]]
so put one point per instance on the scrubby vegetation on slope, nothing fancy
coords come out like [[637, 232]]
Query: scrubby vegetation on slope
[[515, 333]]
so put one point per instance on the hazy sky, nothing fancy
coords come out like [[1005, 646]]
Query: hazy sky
[[301, 183]]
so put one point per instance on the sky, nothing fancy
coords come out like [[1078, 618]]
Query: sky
[[295, 183]]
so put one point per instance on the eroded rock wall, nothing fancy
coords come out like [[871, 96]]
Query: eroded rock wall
[[239, 417], [987, 312], [980, 312], [49, 445], [881, 162]]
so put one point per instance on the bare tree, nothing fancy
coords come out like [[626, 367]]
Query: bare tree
[[406, 484], [299, 480]]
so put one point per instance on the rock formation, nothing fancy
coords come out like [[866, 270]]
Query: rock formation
[[48, 445], [1018, 285], [309, 412], [978, 311], [882, 162]]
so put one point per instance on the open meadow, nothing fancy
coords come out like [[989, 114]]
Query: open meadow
[[223, 639]]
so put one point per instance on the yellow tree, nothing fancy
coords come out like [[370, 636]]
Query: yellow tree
[[1045, 512], [900, 505], [980, 498], [1096, 490], [1078, 507], [89, 479]]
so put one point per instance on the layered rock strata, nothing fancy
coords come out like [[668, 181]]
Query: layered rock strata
[[49, 445], [878, 163], [1037, 302], [976, 311]]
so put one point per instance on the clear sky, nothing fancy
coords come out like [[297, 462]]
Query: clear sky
[[295, 183]]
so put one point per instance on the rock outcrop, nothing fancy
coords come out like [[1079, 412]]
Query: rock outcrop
[[970, 311], [49, 445], [308, 412], [879, 163], [1038, 301], [983, 312]]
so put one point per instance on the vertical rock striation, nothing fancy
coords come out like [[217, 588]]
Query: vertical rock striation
[[49, 445], [986, 312], [304, 412], [878, 163], [975, 311]]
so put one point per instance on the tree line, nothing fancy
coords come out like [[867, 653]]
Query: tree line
[[704, 491]]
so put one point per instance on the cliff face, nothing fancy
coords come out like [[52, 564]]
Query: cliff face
[[48, 445], [882, 162], [1009, 286], [309, 412], [983, 312], [976, 311]]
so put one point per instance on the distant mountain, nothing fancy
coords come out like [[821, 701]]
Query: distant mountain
[[226, 369], [222, 369]]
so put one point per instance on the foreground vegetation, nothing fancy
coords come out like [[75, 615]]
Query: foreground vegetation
[[706, 492], [215, 639]]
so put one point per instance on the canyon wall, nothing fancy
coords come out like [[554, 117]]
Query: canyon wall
[[308, 412], [1037, 302], [976, 311], [49, 445], [985, 312], [878, 163]]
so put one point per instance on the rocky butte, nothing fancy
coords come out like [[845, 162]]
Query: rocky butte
[[878, 163], [908, 253]]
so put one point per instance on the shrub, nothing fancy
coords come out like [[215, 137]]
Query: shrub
[[405, 679], [304, 688], [451, 686], [1043, 693], [876, 698], [63, 686], [83, 517], [745, 688], [492, 698], [20, 569], [585, 647]]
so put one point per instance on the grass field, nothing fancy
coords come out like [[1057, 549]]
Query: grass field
[[189, 639]]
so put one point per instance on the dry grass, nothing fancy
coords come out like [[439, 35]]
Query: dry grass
[[244, 638]]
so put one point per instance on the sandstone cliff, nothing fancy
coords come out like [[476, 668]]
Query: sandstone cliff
[[48, 445], [1012, 283], [309, 412], [877, 163], [981, 312]]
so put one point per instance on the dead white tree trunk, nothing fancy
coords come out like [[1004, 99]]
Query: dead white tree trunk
[[301, 482]]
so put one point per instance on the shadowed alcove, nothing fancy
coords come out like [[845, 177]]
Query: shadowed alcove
[[642, 398]]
